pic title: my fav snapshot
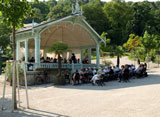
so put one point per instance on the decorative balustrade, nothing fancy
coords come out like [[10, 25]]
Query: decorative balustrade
[[55, 65]]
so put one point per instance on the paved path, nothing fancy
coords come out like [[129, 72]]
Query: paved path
[[139, 98]]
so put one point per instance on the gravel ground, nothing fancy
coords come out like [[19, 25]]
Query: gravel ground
[[139, 98]]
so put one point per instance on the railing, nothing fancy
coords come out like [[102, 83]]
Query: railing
[[55, 65]]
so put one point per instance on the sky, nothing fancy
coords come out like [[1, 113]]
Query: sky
[[132, 0]]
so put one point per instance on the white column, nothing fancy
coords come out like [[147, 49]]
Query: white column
[[17, 50], [97, 55], [81, 55], [44, 53], [37, 48], [89, 55], [26, 50]]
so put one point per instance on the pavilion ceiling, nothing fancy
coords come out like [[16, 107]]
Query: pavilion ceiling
[[74, 36]]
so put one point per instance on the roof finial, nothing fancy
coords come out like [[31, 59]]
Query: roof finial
[[72, 9], [32, 26], [81, 11], [77, 7]]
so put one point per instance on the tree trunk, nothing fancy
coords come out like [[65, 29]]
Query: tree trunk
[[118, 61], [59, 64], [14, 58]]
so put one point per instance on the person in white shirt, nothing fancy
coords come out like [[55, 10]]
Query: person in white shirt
[[95, 78], [106, 70]]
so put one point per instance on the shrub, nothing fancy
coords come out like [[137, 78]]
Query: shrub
[[107, 63]]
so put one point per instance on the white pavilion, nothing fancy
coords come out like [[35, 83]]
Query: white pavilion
[[72, 30]]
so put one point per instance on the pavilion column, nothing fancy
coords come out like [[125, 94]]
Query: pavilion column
[[89, 55], [37, 48], [17, 50], [82, 55], [44, 53], [97, 55], [26, 50]]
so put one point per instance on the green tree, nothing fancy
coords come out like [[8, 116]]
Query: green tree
[[95, 16], [105, 48], [5, 39], [133, 42], [59, 48], [118, 14], [13, 12], [118, 52]]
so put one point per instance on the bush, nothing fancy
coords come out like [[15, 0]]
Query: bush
[[107, 63], [59, 80], [10, 73]]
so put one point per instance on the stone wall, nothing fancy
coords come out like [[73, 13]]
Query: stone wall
[[34, 77]]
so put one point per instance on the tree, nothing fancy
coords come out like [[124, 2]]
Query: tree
[[5, 39], [105, 48], [58, 48], [95, 16], [13, 12], [133, 42], [118, 52], [118, 14]]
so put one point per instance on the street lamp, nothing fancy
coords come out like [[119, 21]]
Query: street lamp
[[1, 52]]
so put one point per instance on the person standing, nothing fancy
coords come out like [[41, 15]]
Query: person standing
[[73, 58]]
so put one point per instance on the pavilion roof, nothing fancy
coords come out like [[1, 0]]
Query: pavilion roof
[[74, 30]]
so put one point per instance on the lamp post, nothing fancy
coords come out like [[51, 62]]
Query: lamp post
[[1, 52]]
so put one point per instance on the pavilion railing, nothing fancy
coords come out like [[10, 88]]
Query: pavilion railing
[[55, 65]]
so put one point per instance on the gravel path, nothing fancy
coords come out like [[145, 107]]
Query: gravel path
[[139, 98]]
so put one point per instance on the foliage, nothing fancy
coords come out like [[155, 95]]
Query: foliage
[[104, 47], [5, 40], [133, 42], [58, 48], [107, 63], [118, 14], [13, 12], [10, 72]]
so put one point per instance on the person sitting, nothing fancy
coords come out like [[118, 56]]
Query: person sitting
[[65, 60], [111, 74], [32, 59], [95, 78], [42, 60], [75, 77], [144, 71], [126, 73], [120, 75], [54, 60], [138, 71], [78, 60], [51, 60], [86, 76], [66, 75], [94, 71], [116, 69], [90, 73], [81, 73]]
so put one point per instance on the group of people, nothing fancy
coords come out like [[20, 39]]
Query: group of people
[[103, 74], [64, 60]]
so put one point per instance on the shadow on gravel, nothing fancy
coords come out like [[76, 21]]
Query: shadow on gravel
[[111, 85], [22, 112]]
